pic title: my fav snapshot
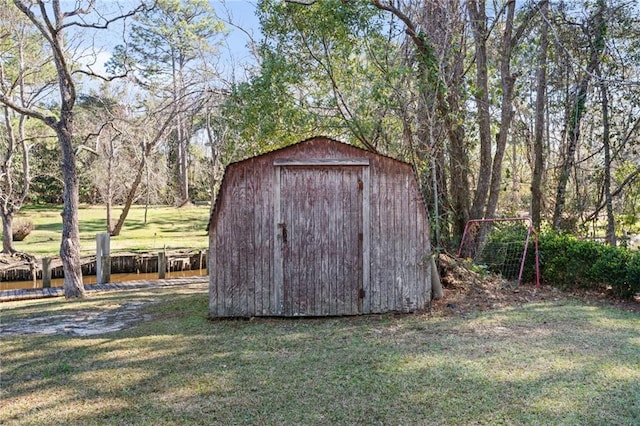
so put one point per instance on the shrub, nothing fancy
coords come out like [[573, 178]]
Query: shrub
[[21, 228], [569, 263]]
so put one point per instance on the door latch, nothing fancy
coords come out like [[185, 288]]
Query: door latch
[[283, 227]]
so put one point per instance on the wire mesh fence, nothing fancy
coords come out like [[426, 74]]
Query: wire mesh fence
[[500, 245]]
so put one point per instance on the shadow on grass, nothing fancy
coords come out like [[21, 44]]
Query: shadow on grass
[[542, 364]]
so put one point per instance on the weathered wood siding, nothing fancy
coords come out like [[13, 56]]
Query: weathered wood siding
[[318, 228]]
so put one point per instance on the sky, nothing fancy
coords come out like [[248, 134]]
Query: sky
[[242, 20], [235, 52]]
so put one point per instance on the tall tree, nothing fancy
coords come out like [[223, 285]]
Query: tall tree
[[595, 30], [168, 46], [511, 37], [606, 145], [53, 25], [22, 67], [435, 79], [478, 20], [541, 101]]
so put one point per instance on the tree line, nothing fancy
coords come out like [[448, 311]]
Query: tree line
[[506, 108]]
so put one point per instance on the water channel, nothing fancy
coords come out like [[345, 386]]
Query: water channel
[[91, 279]]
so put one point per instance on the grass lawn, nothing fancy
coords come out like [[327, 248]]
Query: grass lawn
[[168, 227], [562, 362]]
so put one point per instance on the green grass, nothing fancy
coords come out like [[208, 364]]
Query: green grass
[[168, 227], [545, 363]]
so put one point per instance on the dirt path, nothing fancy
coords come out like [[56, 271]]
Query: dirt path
[[82, 322], [95, 315]]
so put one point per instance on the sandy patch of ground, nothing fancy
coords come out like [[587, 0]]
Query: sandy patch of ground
[[81, 322]]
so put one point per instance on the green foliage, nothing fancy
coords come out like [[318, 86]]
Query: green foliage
[[166, 38], [328, 68], [569, 263]]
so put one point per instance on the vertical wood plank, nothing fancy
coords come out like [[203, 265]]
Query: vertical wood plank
[[397, 253], [414, 248], [267, 239], [356, 222], [389, 256], [409, 286], [258, 195], [293, 282], [252, 216], [238, 238], [342, 298], [375, 240], [235, 244], [366, 231], [342, 229], [244, 236], [276, 295], [215, 280]]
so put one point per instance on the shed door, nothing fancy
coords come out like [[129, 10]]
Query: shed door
[[320, 239]]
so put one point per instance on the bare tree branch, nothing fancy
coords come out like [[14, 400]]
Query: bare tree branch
[[48, 120], [107, 22]]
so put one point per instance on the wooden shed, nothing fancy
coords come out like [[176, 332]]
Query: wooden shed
[[318, 228]]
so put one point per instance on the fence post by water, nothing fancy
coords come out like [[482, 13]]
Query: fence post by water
[[162, 264], [203, 260], [103, 258], [46, 272]]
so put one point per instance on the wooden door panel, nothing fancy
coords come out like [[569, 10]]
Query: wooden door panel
[[321, 234]]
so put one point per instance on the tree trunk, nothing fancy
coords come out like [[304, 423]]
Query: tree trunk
[[182, 166], [132, 191], [611, 222], [147, 147], [459, 165], [443, 194], [448, 106], [12, 198], [7, 232], [70, 244], [478, 18], [538, 144], [508, 81], [598, 26]]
